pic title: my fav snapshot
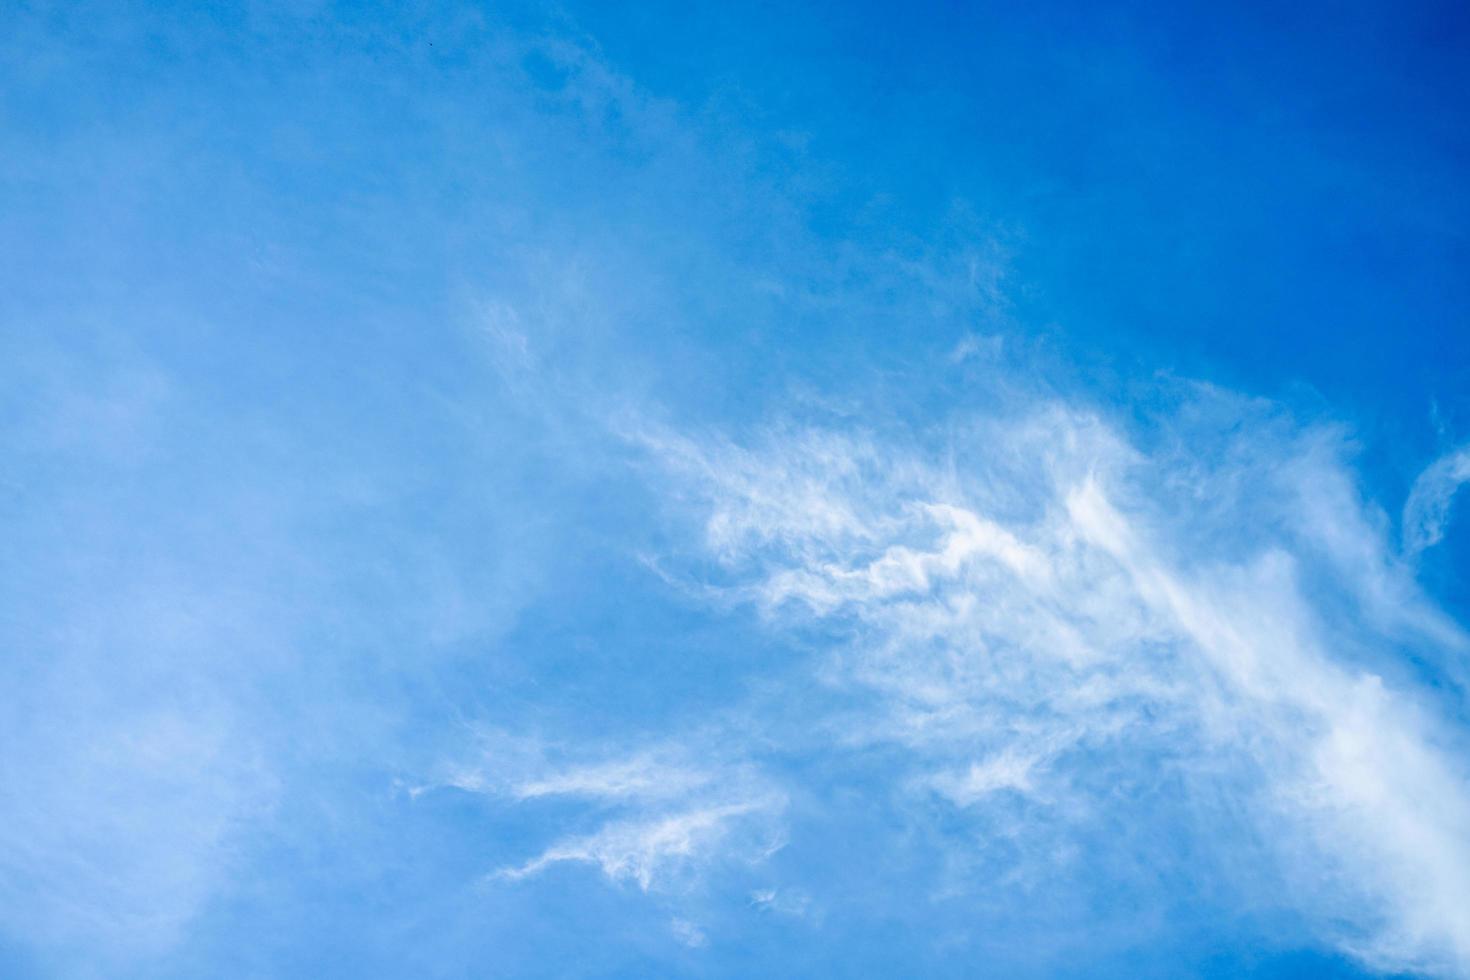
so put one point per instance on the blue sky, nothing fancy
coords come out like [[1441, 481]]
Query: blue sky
[[793, 490]]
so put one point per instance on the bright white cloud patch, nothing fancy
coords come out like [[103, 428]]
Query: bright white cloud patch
[[1052, 610]]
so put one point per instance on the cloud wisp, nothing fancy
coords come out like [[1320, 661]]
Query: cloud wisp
[[660, 817], [1052, 611], [1427, 511]]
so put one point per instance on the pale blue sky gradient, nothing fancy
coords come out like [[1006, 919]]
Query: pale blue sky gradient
[[734, 490]]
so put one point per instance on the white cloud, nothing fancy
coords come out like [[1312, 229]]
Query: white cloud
[[1427, 512], [1006, 770], [663, 817], [1035, 597], [658, 849], [641, 777]]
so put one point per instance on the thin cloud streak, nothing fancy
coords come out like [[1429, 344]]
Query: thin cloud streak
[[665, 815], [648, 851]]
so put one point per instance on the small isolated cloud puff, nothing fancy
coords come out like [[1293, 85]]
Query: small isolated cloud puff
[[1047, 608]]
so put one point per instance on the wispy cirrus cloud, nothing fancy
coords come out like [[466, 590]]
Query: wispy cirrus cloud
[[1053, 609], [1427, 511], [662, 816], [651, 850]]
